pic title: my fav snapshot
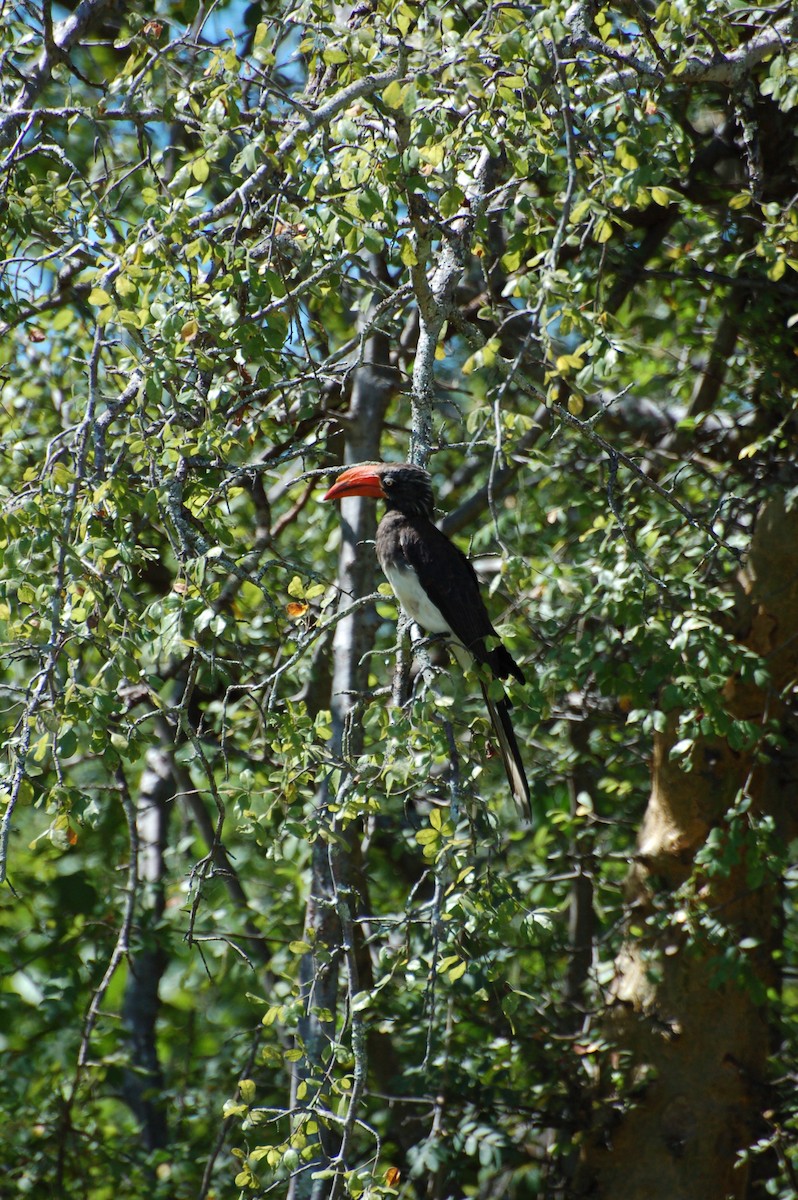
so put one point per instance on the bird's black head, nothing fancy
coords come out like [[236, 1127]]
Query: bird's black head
[[408, 488], [402, 486]]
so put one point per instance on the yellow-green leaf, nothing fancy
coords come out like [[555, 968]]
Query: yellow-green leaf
[[603, 231], [434, 154], [426, 837], [408, 254], [394, 94], [404, 17], [567, 362], [39, 750], [334, 55], [62, 476], [580, 210], [352, 206]]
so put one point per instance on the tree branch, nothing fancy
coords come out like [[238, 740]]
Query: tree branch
[[321, 116], [729, 70], [64, 36]]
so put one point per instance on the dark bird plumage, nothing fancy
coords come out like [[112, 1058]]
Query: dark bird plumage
[[437, 587]]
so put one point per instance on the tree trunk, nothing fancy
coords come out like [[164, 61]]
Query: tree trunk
[[332, 860], [689, 1019], [143, 1078]]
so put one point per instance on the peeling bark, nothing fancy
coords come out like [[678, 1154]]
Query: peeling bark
[[693, 1036]]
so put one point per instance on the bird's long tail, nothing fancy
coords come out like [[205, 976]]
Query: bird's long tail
[[511, 755]]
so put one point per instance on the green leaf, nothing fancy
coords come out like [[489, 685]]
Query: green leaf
[[299, 947], [451, 202], [63, 477]]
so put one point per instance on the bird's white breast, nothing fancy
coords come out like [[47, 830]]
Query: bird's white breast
[[418, 606], [414, 600]]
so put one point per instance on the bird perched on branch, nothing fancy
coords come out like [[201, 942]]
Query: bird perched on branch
[[437, 587]]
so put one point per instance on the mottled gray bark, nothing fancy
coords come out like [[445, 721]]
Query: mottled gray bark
[[332, 863]]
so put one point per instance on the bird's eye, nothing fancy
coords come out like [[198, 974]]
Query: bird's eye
[[387, 482]]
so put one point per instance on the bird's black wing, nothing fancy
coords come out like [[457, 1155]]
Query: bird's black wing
[[408, 543], [451, 583]]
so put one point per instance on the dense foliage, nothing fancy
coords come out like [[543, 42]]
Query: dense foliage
[[559, 247]]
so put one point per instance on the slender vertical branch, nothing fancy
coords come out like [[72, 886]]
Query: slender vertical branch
[[343, 897], [434, 284]]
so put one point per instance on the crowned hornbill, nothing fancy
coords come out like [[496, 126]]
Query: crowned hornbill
[[437, 587]]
